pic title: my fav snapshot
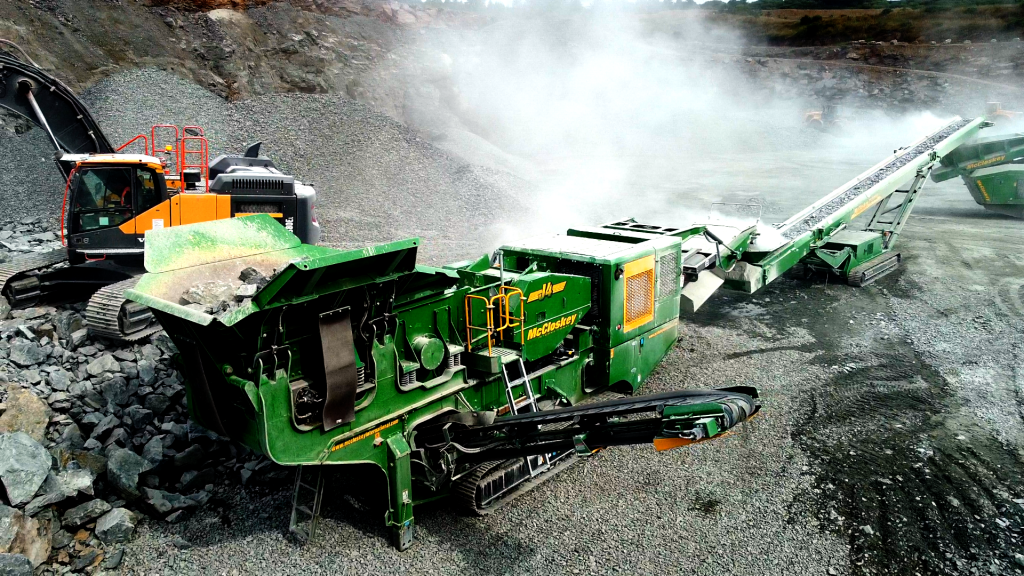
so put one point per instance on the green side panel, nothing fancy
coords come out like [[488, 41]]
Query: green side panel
[[997, 187], [979, 154], [554, 304], [633, 361]]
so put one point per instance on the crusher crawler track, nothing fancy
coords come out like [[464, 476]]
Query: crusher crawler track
[[493, 484], [110, 315], [19, 287]]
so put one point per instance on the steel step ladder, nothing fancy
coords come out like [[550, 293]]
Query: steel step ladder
[[308, 512], [535, 464]]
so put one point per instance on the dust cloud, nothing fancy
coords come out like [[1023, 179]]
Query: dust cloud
[[610, 121]]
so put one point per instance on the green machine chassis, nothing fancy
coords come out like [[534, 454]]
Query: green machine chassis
[[992, 168], [476, 379]]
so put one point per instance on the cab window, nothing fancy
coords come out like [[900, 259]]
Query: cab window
[[103, 198], [149, 194]]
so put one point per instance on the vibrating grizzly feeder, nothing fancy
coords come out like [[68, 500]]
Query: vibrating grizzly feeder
[[468, 380]]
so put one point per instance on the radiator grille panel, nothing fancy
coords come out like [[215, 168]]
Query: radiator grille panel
[[639, 299], [668, 275]]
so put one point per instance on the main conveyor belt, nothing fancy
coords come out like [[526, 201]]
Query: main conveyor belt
[[843, 196]]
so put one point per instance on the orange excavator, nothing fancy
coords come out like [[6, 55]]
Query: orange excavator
[[113, 197]]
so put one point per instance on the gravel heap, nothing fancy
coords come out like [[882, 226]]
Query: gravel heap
[[811, 220], [363, 163]]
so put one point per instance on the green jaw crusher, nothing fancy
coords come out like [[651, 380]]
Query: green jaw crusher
[[992, 168], [469, 380]]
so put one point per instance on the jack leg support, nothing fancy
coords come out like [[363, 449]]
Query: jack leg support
[[399, 518]]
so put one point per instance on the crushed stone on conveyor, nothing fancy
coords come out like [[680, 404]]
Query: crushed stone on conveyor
[[812, 219]]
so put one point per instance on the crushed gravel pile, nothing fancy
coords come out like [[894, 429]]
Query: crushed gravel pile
[[797, 228], [376, 180]]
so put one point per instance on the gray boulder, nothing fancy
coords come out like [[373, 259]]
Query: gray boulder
[[115, 526], [103, 364], [60, 379], [158, 403], [23, 466], [147, 372], [58, 487], [9, 518], [105, 426], [116, 391], [153, 451], [139, 416], [15, 565], [60, 539], [84, 513], [67, 323], [212, 293], [191, 457], [26, 354], [123, 469], [164, 502], [78, 337]]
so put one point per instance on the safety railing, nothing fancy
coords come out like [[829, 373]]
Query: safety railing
[[203, 151], [145, 144], [171, 150], [179, 152], [505, 320]]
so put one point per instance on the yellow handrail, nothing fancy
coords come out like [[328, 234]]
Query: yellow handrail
[[499, 302], [489, 329], [506, 292]]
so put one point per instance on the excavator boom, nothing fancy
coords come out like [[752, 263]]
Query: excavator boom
[[28, 91]]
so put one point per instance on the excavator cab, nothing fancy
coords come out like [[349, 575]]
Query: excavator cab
[[106, 196]]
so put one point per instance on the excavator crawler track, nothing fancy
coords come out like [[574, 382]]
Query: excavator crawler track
[[22, 291], [110, 315]]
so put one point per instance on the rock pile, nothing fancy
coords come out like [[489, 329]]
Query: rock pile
[[217, 297], [94, 435]]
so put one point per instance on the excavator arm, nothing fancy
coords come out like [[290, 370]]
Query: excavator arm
[[28, 91]]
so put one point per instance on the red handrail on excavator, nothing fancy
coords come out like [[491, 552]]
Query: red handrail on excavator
[[174, 154], [145, 144]]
